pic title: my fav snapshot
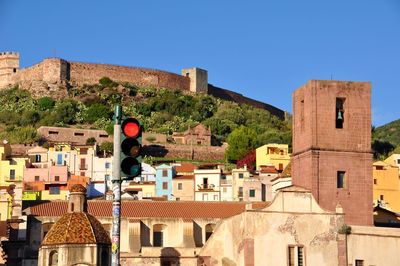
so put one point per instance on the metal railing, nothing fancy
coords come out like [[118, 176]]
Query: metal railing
[[13, 178], [205, 186]]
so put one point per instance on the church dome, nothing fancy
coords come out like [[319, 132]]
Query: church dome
[[78, 188], [76, 228]]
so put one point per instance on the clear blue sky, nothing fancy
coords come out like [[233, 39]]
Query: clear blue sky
[[262, 49]]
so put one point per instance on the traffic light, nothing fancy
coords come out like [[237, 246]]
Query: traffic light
[[131, 146]]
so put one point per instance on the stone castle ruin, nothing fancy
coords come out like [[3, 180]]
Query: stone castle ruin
[[53, 77]]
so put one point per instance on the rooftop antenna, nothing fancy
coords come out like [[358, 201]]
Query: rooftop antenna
[[331, 76]]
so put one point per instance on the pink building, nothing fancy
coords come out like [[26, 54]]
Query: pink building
[[51, 174]]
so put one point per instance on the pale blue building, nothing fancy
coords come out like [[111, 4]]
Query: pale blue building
[[164, 175]]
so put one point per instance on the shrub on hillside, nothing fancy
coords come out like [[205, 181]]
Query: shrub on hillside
[[45, 103], [97, 111], [107, 82]]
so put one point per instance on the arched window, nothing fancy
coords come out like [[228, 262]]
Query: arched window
[[53, 258], [158, 235], [209, 230]]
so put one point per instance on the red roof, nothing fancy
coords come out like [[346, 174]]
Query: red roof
[[268, 169], [132, 189], [185, 168], [188, 177], [144, 209]]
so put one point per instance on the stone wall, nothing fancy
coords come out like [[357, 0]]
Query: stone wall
[[53, 76], [85, 73], [47, 78], [185, 151]]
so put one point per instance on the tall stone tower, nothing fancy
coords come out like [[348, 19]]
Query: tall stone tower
[[332, 146], [9, 65], [198, 79]]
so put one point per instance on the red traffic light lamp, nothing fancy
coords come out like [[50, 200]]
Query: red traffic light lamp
[[131, 145]]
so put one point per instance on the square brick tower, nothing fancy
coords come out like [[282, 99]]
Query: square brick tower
[[332, 146]]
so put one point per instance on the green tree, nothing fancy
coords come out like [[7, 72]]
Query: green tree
[[382, 149], [45, 103], [97, 111], [241, 141], [107, 147], [91, 141], [65, 111], [29, 118]]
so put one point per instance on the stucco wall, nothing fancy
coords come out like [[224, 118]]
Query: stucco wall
[[262, 237], [377, 246]]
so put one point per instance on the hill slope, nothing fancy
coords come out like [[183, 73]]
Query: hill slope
[[160, 110]]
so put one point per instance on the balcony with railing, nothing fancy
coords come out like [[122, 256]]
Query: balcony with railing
[[83, 166], [13, 178], [206, 187]]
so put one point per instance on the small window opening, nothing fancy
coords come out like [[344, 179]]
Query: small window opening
[[339, 112], [341, 179], [14, 70], [359, 263]]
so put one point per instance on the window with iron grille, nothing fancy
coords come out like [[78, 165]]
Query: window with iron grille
[[296, 256]]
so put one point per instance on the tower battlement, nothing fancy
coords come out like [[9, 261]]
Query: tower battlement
[[9, 55], [9, 65]]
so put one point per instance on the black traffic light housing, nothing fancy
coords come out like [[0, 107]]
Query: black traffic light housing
[[131, 148]]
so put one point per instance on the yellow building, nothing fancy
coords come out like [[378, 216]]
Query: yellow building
[[273, 154], [148, 189], [386, 188], [11, 167], [394, 160], [5, 204]]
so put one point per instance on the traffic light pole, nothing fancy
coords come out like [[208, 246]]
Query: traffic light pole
[[116, 188]]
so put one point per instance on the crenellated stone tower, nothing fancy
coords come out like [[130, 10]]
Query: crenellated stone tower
[[9, 65]]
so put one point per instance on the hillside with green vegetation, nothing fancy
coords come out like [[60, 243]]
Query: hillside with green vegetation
[[160, 110], [386, 139]]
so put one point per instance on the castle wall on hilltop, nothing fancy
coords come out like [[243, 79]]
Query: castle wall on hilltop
[[84, 73], [53, 76]]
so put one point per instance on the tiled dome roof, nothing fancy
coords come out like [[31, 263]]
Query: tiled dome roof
[[77, 228], [78, 188]]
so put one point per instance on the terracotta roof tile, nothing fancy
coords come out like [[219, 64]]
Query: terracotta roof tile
[[148, 209], [185, 167], [76, 228], [268, 169], [189, 177]]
